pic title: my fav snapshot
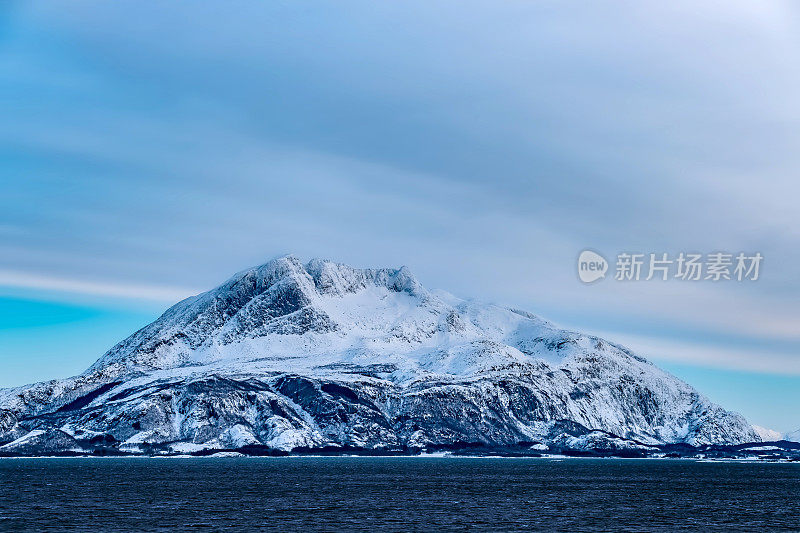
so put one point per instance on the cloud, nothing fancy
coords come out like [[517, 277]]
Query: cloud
[[754, 359], [110, 289]]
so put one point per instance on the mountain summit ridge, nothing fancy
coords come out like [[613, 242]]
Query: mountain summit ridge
[[290, 354], [276, 297]]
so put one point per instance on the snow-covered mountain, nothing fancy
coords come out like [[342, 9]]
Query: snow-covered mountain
[[290, 355], [768, 435], [792, 436]]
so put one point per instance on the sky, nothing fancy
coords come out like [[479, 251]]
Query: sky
[[150, 150]]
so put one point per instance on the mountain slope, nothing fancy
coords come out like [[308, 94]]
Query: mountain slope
[[767, 435], [292, 355]]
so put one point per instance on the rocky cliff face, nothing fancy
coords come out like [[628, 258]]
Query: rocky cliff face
[[290, 355]]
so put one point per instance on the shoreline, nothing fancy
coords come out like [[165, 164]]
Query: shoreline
[[554, 458]]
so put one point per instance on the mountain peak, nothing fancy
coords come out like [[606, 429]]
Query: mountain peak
[[264, 275], [337, 278], [283, 296], [326, 277]]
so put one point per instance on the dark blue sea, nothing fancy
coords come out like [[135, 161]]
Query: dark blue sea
[[396, 494]]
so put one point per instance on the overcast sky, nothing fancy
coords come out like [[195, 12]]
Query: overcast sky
[[151, 150]]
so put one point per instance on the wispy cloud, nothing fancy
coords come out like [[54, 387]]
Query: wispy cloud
[[154, 293], [709, 355]]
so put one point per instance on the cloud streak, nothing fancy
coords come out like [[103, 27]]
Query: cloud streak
[[110, 289]]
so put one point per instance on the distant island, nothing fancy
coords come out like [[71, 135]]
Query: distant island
[[322, 358]]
